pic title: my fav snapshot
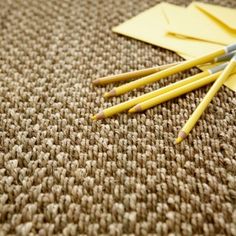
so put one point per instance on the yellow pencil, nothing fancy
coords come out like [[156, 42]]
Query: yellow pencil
[[131, 75], [174, 93], [207, 99], [128, 104], [169, 71]]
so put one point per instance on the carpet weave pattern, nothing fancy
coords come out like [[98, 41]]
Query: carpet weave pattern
[[61, 173]]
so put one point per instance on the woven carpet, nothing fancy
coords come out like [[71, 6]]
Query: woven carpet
[[63, 174]]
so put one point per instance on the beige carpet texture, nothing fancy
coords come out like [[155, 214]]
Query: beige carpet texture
[[62, 173]]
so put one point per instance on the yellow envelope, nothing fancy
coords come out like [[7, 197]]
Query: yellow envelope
[[150, 26], [194, 23], [225, 15]]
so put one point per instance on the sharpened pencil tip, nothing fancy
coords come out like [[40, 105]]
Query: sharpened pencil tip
[[96, 81], [132, 110], [106, 95], [179, 140], [135, 109], [99, 116], [112, 93], [181, 136]]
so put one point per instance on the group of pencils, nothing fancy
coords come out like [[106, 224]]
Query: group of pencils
[[218, 74]]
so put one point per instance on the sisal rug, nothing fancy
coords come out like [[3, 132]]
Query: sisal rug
[[61, 173]]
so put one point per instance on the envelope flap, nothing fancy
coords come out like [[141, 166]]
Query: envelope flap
[[151, 26], [193, 23], [225, 15]]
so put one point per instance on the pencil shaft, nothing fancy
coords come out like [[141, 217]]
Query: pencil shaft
[[178, 92], [172, 70], [132, 75], [207, 99]]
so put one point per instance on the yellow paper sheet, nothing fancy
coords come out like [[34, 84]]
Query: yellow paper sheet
[[225, 15], [150, 26], [193, 23]]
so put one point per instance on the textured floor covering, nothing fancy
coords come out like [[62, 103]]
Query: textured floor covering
[[61, 173]]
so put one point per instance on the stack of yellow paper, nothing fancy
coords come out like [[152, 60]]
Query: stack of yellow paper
[[191, 32]]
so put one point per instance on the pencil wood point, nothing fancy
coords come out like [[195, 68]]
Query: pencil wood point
[[135, 109], [99, 116], [106, 95], [112, 93], [96, 81], [182, 135]]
